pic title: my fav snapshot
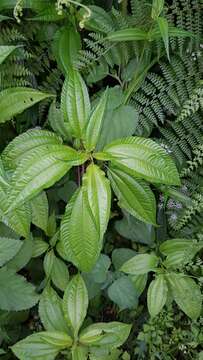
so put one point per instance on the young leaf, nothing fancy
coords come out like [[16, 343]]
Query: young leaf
[[128, 35], [163, 27], [48, 263], [20, 99], [111, 335], [56, 121], [51, 311], [75, 103], [41, 346], [39, 247], [5, 51], [157, 8], [75, 303], [134, 195], [143, 158], [186, 294], [94, 125], [40, 211], [16, 293], [8, 249], [157, 295], [40, 169], [60, 274], [140, 264]]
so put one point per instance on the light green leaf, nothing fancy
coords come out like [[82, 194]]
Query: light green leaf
[[143, 158], [66, 46], [39, 247], [79, 353], [94, 125], [41, 346], [25, 144], [163, 27], [48, 263], [8, 249], [111, 335], [75, 103], [128, 35], [51, 311], [60, 274], [118, 290], [23, 256], [140, 264], [40, 169], [75, 303], [5, 51], [157, 295], [186, 294], [120, 256], [20, 99], [157, 8], [134, 195], [40, 211], [56, 120], [139, 282], [16, 293]]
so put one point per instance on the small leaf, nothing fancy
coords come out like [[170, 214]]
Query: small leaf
[[20, 99], [139, 282], [16, 293], [163, 27], [39, 247], [75, 103], [8, 249], [94, 125], [186, 294], [41, 346], [5, 51], [51, 311], [140, 264], [75, 303], [49, 263], [111, 335], [118, 290], [157, 295], [157, 8], [56, 121], [60, 274]]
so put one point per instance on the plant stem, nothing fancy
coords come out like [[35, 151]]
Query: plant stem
[[124, 7]]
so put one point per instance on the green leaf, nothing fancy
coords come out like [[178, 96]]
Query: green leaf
[[139, 282], [186, 294], [134, 195], [66, 46], [75, 303], [41, 346], [23, 256], [56, 120], [16, 293], [40, 211], [157, 295], [143, 158], [8, 249], [140, 264], [100, 20], [111, 335], [157, 8], [24, 144], [48, 263], [128, 35], [79, 353], [20, 99], [48, 14], [94, 125], [100, 270], [75, 103], [39, 247], [120, 256], [163, 27], [40, 169], [5, 51], [51, 311], [60, 274], [118, 290]]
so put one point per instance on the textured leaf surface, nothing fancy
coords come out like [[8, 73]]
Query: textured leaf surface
[[20, 99], [134, 195], [75, 303], [140, 264], [60, 274], [5, 51], [40, 211], [128, 35], [41, 346], [57, 122], [157, 295], [16, 293], [143, 158], [8, 249]]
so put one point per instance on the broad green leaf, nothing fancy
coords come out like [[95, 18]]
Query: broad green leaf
[[157, 295], [134, 195], [66, 46], [41, 346], [186, 294], [20, 99], [140, 264], [25, 144], [143, 158], [128, 35], [94, 125], [100, 270], [75, 103], [157, 8], [118, 290], [60, 274], [8, 249], [56, 120], [163, 27], [5, 51], [16, 293], [51, 311], [40, 169], [79, 353], [75, 303], [111, 335], [120, 256], [40, 210], [139, 282], [39, 247], [23, 256]]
